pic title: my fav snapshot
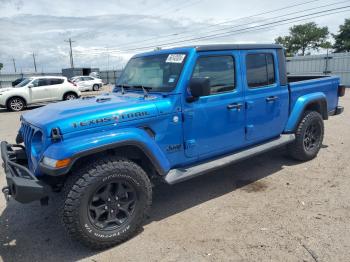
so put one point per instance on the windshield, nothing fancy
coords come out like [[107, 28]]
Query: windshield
[[24, 82], [157, 72]]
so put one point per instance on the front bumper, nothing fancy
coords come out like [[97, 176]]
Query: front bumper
[[22, 185]]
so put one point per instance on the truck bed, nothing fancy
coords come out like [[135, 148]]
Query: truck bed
[[302, 85]]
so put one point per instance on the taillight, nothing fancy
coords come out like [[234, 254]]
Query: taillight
[[341, 90]]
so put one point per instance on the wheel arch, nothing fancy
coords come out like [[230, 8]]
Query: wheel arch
[[68, 92], [133, 143], [19, 96], [311, 102], [131, 150]]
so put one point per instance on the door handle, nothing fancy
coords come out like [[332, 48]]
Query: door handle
[[271, 98], [236, 106]]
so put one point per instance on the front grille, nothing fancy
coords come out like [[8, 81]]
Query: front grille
[[27, 132]]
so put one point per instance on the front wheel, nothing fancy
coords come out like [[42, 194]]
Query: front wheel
[[95, 87], [106, 204], [308, 137], [15, 104]]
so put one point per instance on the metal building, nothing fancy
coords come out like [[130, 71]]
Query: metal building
[[78, 71]]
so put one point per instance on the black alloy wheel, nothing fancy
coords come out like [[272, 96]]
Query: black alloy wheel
[[112, 205]]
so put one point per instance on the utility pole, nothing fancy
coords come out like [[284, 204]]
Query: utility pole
[[71, 52], [14, 65], [34, 62]]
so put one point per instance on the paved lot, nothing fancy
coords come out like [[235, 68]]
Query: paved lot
[[268, 208]]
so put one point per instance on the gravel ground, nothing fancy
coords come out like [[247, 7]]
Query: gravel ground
[[268, 208]]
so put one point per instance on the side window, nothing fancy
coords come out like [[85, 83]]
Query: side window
[[35, 82], [219, 69], [86, 78], [56, 81], [260, 70], [43, 82]]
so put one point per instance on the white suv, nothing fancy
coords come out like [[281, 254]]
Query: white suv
[[87, 83], [39, 89]]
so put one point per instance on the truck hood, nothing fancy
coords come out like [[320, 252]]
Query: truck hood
[[89, 112]]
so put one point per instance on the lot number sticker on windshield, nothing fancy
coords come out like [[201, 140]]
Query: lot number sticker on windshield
[[175, 58]]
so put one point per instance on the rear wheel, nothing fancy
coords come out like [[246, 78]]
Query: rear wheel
[[106, 204], [308, 137], [70, 96], [15, 104]]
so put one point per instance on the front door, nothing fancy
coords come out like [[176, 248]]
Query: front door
[[214, 124], [266, 100], [40, 91]]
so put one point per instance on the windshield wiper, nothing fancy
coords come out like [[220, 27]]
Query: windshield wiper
[[144, 89], [123, 87]]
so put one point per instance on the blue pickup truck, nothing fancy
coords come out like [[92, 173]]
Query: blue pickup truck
[[173, 115]]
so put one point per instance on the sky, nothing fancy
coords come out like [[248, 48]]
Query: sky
[[107, 33]]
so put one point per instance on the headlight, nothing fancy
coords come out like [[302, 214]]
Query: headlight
[[56, 163]]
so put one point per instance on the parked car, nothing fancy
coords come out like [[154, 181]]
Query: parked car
[[174, 114], [95, 74], [17, 81], [40, 89], [87, 83]]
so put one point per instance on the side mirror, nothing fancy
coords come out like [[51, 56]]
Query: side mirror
[[30, 85], [199, 87]]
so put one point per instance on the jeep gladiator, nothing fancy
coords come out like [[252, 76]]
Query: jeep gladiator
[[173, 115]]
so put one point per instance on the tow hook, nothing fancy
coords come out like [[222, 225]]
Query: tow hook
[[6, 192]]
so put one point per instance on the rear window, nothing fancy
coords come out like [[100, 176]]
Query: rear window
[[260, 70]]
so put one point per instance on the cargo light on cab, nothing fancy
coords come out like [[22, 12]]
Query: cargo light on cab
[[56, 163]]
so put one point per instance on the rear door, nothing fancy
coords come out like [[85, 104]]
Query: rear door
[[89, 82], [266, 100], [214, 124], [56, 86]]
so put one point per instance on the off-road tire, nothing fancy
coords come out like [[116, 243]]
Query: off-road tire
[[299, 149], [15, 104], [95, 87], [70, 96], [81, 187]]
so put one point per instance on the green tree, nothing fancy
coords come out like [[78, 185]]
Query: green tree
[[342, 39], [304, 37]]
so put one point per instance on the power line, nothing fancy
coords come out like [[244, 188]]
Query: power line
[[221, 23], [230, 32], [290, 22], [279, 16], [284, 23], [218, 24]]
